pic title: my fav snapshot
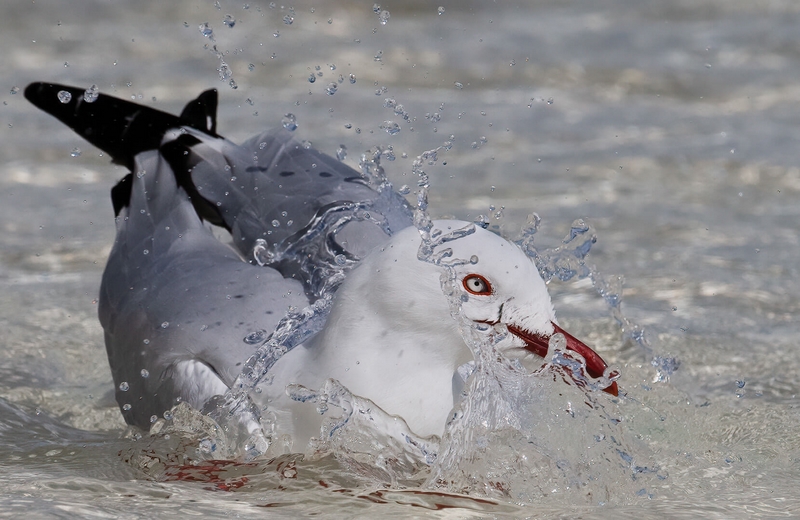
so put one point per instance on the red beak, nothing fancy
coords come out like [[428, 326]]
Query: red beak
[[538, 344]]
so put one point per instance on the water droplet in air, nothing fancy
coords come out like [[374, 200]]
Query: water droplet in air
[[153, 418], [390, 127], [229, 21], [458, 85], [165, 325], [341, 152], [14, 90], [91, 94], [383, 17], [64, 96], [275, 223], [331, 89], [440, 10], [207, 31], [352, 79], [473, 259], [312, 78], [251, 67], [288, 20], [76, 152], [404, 189], [126, 407], [168, 415], [146, 341], [340, 259], [289, 122], [124, 387]]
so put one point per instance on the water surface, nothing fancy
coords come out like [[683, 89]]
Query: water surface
[[672, 126]]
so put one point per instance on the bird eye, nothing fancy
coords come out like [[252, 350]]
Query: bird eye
[[477, 284]]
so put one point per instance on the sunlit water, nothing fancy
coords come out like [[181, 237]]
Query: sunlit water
[[670, 126]]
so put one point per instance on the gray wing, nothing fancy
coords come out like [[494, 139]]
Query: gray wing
[[177, 304], [275, 189]]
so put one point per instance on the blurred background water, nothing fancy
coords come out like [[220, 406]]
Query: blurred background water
[[671, 125]]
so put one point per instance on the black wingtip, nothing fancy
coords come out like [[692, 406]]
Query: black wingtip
[[201, 113], [124, 129], [120, 128]]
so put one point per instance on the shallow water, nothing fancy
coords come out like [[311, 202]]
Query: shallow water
[[671, 126]]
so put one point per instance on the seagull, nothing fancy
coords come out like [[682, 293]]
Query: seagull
[[182, 310]]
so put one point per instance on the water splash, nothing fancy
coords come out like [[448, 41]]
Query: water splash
[[247, 435], [515, 434], [568, 261], [366, 439]]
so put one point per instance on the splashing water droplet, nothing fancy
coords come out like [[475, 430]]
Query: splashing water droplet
[[144, 373], [64, 96], [459, 85], [341, 152], [126, 407], [390, 127], [383, 17], [168, 415], [440, 11], [331, 89], [288, 20], [14, 90], [165, 325], [76, 152], [229, 21], [91, 94], [124, 386], [289, 122], [276, 223], [352, 79], [312, 78], [207, 31]]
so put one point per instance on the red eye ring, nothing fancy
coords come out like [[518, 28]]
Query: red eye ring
[[477, 284]]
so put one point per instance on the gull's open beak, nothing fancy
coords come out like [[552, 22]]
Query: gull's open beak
[[539, 344]]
